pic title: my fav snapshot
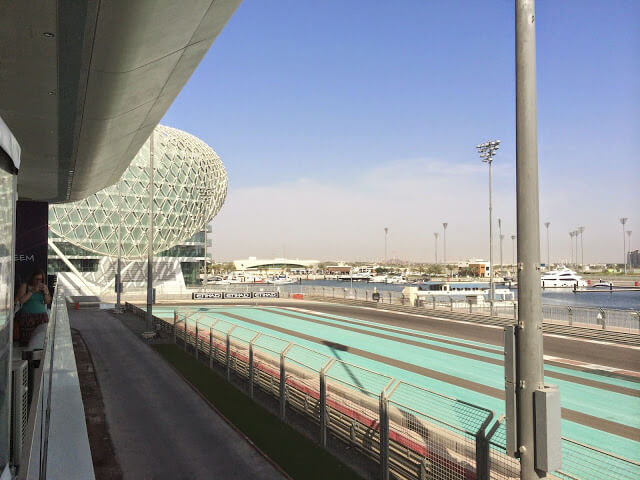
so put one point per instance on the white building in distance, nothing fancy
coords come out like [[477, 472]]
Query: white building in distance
[[275, 265]]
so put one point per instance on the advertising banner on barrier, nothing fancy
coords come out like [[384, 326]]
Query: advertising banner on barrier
[[206, 295], [233, 295]]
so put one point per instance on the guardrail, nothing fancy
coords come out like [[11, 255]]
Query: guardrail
[[413, 433], [56, 423], [603, 318]]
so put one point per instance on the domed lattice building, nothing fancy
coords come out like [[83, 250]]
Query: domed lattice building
[[190, 187]]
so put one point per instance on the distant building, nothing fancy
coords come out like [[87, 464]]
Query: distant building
[[480, 268], [275, 265], [337, 269], [633, 258]]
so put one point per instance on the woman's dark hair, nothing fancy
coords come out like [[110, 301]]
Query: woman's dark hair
[[34, 274]]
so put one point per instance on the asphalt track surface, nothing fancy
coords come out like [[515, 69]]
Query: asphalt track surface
[[600, 383], [161, 428]]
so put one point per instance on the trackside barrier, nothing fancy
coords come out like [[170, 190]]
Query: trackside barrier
[[412, 433], [604, 318]]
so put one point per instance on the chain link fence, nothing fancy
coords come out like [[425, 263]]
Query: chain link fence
[[412, 433]]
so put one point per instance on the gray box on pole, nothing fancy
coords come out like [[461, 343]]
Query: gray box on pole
[[548, 428]]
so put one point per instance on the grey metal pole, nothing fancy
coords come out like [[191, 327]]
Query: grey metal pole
[[571, 240], [546, 224], [150, 240], [490, 240], [628, 257], [581, 230], [204, 277], [513, 250], [119, 264], [436, 243], [386, 231], [530, 344], [444, 240], [623, 220], [500, 236]]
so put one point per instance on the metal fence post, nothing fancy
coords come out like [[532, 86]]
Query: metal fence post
[[175, 322], [228, 356], [482, 450], [211, 347], [251, 367], [283, 382], [515, 311], [324, 414], [384, 435], [570, 315], [434, 302], [470, 307], [185, 334], [451, 303], [196, 340]]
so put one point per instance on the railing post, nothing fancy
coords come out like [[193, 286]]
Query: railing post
[[211, 346], [283, 382], [570, 315], [196, 340], [433, 299], [185, 333], [384, 435], [324, 414], [482, 450], [251, 367], [228, 356], [470, 307], [175, 322], [451, 303], [515, 311]]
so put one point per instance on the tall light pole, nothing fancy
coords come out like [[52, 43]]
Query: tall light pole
[[118, 308], [501, 237], [581, 231], [386, 231], [150, 241], [435, 234], [546, 224], [513, 251], [487, 151], [530, 362], [571, 241], [575, 235], [623, 220], [628, 257], [444, 241]]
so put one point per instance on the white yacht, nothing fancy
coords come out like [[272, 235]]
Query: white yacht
[[563, 278]]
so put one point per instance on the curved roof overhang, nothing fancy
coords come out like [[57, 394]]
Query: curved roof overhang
[[84, 83]]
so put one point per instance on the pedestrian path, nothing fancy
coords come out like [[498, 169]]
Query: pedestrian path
[[160, 427]]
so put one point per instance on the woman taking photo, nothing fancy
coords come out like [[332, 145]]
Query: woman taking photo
[[34, 298]]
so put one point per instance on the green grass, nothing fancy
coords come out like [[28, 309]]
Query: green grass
[[300, 457]]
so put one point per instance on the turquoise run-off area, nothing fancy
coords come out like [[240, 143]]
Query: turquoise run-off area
[[613, 406]]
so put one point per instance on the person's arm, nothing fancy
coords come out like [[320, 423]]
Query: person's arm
[[23, 295], [47, 296]]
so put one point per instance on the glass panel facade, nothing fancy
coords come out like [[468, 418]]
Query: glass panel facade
[[190, 186], [7, 232]]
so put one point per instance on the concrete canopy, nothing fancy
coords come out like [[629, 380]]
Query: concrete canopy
[[84, 83]]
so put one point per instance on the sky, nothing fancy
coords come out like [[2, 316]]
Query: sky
[[336, 119]]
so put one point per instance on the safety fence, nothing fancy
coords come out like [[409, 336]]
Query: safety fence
[[622, 319], [413, 433]]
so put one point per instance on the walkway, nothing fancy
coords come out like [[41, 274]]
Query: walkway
[[159, 426]]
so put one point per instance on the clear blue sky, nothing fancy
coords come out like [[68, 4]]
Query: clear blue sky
[[308, 100]]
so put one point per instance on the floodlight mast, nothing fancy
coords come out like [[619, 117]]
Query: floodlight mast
[[487, 151], [623, 220]]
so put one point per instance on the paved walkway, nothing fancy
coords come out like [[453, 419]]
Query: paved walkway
[[159, 426]]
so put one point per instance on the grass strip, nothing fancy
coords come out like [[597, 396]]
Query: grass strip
[[300, 457]]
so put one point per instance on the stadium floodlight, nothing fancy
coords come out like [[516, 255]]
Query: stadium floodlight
[[487, 151]]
